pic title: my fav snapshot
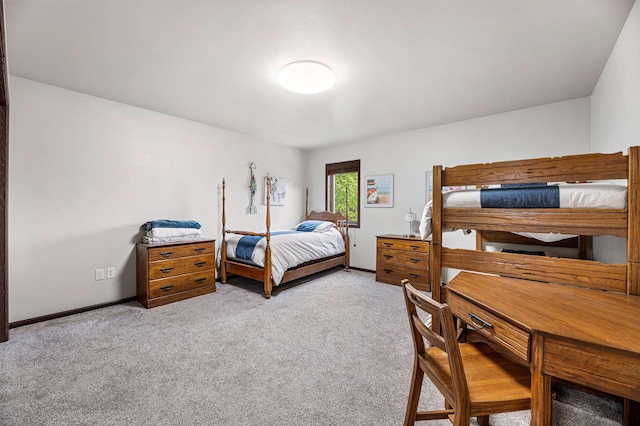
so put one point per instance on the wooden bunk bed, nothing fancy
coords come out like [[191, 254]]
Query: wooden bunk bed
[[264, 274], [499, 276]]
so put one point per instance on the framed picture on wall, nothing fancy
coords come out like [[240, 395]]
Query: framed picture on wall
[[379, 191], [278, 191]]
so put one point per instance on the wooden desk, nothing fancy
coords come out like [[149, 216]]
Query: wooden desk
[[589, 337]]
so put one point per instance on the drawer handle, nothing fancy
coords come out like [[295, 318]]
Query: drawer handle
[[414, 275], [199, 249], [200, 280], [415, 247], [414, 260], [479, 321], [166, 288], [199, 264], [165, 270], [388, 271], [388, 244], [388, 256], [166, 253]]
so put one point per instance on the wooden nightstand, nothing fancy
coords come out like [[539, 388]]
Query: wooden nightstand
[[170, 272], [399, 257]]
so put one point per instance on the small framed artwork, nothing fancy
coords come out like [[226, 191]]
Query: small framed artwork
[[278, 191], [379, 191]]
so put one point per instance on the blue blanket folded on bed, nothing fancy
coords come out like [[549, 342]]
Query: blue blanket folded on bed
[[246, 244], [166, 223], [521, 198]]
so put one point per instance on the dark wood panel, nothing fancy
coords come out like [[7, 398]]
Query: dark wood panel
[[4, 170]]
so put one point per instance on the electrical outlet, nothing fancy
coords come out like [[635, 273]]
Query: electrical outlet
[[111, 272], [99, 274]]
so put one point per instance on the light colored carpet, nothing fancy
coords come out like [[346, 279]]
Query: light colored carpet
[[335, 350]]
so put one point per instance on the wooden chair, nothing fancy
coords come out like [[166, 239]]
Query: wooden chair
[[474, 379]]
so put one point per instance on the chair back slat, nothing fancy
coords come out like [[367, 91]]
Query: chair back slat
[[447, 342]]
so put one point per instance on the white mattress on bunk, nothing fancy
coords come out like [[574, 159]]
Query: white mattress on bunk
[[579, 195], [291, 249]]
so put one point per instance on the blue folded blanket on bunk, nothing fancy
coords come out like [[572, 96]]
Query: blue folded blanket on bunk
[[521, 197], [166, 223], [246, 244]]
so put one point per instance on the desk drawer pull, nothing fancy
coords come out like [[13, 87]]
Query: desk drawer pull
[[388, 256], [414, 260], [166, 253], [166, 288], [388, 271], [477, 320], [414, 276], [199, 264], [415, 247], [199, 249], [388, 244], [165, 270], [200, 280]]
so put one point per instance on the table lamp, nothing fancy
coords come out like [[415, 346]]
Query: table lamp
[[410, 217]]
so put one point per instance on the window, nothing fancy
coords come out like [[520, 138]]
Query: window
[[344, 179]]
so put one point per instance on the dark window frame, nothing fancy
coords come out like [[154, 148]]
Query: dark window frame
[[337, 168]]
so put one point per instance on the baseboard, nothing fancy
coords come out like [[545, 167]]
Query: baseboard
[[67, 313], [362, 269]]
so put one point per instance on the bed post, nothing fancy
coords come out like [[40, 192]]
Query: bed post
[[267, 284], [223, 247], [633, 220], [346, 229], [306, 204], [435, 249]]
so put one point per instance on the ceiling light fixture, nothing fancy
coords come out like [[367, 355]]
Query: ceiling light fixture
[[306, 77]]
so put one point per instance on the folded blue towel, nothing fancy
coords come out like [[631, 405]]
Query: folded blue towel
[[166, 223]]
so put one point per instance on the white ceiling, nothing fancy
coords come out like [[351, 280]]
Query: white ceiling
[[400, 64]]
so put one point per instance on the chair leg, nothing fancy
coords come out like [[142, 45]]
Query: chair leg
[[414, 395], [483, 420]]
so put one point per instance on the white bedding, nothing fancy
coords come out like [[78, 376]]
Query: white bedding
[[291, 250], [581, 195]]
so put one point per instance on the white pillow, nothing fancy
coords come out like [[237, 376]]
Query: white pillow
[[314, 226]]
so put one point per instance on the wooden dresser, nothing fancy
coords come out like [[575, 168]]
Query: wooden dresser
[[400, 257], [169, 272]]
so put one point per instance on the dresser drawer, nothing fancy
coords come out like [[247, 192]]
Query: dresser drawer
[[404, 258], [392, 274], [173, 252], [496, 329], [184, 265], [166, 286], [408, 245]]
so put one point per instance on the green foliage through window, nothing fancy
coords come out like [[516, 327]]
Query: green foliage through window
[[346, 184], [343, 180]]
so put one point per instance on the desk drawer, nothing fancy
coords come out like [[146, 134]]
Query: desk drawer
[[507, 335]]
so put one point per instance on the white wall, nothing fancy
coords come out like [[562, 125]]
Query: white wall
[[86, 172], [615, 112], [549, 130]]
